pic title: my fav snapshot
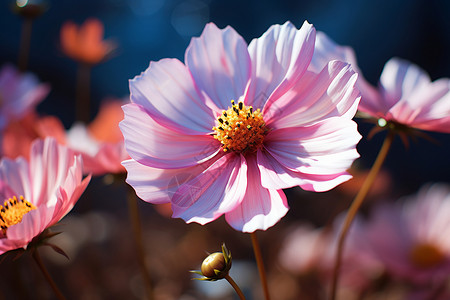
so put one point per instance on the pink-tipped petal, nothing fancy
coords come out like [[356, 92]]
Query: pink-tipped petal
[[157, 146], [32, 224], [328, 94], [217, 190], [326, 148], [220, 64], [261, 208], [399, 80], [50, 162], [279, 58], [15, 178], [155, 185], [167, 91], [427, 109]]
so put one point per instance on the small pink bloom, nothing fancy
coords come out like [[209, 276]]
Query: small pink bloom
[[225, 132], [405, 94], [19, 94], [411, 238], [38, 193]]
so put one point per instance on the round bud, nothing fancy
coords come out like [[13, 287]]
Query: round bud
[[215, 261]]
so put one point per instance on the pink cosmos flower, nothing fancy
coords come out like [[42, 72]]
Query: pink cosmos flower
[[411, 238], [19, 94], [225, 132], [405, 94], [38, 193]]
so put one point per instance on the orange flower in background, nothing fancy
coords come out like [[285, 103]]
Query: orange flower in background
[[85, 43]]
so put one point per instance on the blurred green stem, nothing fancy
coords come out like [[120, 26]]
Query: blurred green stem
[[260, 263], [38, 260], [25, 40], [235, 286], [137, 231], [354, 207], [83, 106]]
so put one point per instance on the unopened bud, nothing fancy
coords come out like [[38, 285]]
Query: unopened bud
[[216, 266]]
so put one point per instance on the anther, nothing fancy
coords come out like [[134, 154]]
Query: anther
[[241, 105]]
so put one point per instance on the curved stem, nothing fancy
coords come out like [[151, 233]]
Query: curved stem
[[235, 286], [137, 231], [260, 263], [354, 207], [38, 260]]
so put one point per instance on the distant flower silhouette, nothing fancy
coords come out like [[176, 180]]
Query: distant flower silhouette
[[38, 193], [225, 132], [20, 93], [85, 44], [411, 237]]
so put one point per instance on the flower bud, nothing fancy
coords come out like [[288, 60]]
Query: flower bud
[[216, 266]]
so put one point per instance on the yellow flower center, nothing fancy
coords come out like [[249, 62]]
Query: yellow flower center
[[425, 255], [12, 211], [240, 129]]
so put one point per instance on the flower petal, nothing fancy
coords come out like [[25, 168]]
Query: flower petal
[[167, 92], [400, 79], [159, 185], [215, 191], [428, 108], [32, 224], [325, 148], [328, 94], [261, 208], [157, 146], [220, 64], [15, 179], [49, 163], [276, 176], [279, 58]]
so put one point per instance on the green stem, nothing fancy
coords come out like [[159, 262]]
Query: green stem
[[38, 260], [137, 231], [260, 263], [25, 40], [83, 108], [354, 207], [235, 286]]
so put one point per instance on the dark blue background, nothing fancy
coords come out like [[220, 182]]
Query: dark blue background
[[153, 29]]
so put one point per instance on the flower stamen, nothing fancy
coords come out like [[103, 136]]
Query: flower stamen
[[240, 129], [12, 212]]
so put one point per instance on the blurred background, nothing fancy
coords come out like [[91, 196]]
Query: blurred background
[[97, 234]]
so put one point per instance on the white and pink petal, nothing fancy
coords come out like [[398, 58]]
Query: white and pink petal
[[167, 92], [220, 64], [212, 193], [279, 59], [261, 208], [154, 145]]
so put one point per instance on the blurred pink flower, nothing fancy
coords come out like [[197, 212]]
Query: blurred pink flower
[[308, 250], [37, 193], [304, 249], [411, 238], [101, 142], [405, 95], [19, 94], [193, 146], [18, 136]]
